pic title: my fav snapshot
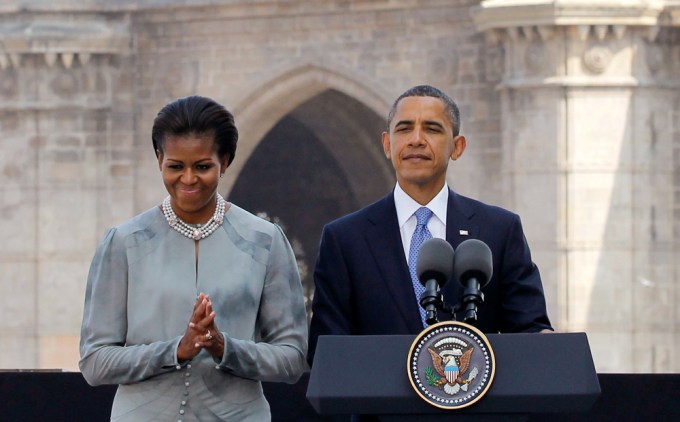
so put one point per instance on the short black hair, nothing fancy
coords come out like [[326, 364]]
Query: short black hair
[[429, 91], [196, 115]]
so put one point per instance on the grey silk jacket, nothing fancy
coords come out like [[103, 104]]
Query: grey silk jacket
[[141, 289]]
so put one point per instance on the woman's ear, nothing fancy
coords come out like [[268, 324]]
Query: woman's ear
[[224, 164]]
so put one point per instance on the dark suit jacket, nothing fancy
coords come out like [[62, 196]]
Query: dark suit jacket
[[363, 286]]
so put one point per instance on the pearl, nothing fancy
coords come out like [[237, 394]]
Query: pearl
[[195, 232]]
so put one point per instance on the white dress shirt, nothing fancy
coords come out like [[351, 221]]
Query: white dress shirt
[[406, 208]]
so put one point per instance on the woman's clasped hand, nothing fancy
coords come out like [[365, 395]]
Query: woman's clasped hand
[[201, 332]]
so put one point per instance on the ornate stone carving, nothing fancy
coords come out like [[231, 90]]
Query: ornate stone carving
[[9, 84], [50, 59], [601, 31], [597, 58], [65, 84], [60, 42], [495, 60], [655, 58], [535, 56]]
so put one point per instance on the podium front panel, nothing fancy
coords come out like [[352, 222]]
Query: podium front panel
[[535, 373]]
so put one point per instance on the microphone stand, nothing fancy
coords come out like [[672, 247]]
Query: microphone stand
[[431, 301], [437, 300], [472, 297]]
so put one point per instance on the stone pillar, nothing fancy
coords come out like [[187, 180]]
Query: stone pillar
[[67, 135], [590, 135]]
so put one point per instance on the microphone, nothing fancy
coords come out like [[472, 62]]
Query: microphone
[[473, 267], [434, 268]]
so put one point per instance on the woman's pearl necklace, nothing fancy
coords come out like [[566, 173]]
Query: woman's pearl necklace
[[195, 232]]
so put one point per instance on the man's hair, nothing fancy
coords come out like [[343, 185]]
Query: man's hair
[[451, 107], [196, 115]]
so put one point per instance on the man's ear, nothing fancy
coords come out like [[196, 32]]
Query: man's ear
[[387, 147], [459, 144]]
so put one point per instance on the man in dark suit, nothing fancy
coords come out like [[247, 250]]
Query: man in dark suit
[[362, 278]]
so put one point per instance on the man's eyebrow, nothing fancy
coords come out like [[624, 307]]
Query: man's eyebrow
[[403, 122], [434, 123]]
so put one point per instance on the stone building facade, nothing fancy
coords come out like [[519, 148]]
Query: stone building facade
[[570, 109]]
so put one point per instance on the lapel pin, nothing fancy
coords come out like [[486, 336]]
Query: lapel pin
[[463, 232]]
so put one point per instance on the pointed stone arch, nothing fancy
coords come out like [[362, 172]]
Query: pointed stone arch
[[257, 112]]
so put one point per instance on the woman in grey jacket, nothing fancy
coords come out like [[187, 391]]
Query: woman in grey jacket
[[192, 303]]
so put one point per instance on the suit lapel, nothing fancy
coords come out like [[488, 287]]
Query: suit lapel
[[384, 238], [460, 226]]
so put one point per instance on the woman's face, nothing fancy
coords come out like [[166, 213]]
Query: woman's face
[[191, 172]]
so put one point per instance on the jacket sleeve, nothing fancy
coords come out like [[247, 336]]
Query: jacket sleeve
[[523, 305], [104, 356], [278, 354], [331, 308]]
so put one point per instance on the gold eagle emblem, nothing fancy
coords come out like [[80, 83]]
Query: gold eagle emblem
[[451, 362]]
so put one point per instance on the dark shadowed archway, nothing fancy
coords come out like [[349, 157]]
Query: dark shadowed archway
[[319, 162]]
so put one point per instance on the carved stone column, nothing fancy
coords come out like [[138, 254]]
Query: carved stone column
[[65, 161], [590, 135]]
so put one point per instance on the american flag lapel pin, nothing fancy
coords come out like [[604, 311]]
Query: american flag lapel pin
[[463, 232]]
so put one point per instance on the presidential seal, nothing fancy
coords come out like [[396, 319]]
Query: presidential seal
[[451, 365]]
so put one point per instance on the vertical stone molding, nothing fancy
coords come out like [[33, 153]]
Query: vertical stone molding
[[589, 133], [62, 85]]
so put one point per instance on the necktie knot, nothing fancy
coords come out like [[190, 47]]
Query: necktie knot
[[423, 215]]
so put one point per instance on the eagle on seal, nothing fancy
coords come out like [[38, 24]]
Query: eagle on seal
[[452, 364]]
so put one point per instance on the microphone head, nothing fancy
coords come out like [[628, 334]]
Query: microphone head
[[435, 261], [473, 259]]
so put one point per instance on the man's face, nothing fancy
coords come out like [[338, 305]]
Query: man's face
[[420, 143]]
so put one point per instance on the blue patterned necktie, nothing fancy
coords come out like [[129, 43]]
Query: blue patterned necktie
[[420, 235]]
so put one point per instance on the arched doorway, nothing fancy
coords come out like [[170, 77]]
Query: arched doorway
[[320, 161]]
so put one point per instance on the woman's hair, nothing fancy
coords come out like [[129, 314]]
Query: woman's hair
[[196, 115]]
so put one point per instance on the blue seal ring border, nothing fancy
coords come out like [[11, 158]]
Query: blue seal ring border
[[468, 348]]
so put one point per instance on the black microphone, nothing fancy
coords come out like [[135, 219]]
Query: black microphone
[[473, 267], [434, 268]]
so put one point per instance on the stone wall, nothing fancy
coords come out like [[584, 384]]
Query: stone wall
[[66, 159], [589, 95]]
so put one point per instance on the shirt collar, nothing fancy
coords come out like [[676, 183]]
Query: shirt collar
[[406, 205]]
